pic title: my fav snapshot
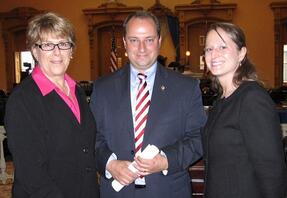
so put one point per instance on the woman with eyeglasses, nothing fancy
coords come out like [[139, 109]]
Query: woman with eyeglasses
[[51, 131], [243, 151]]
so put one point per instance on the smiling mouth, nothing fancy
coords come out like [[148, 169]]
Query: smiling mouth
[[141, 55], [215, 64], [57, 62]]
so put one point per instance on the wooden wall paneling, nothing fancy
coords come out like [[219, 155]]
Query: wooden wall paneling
[[195, 44], [14, 25], [162, 13], [194, 20], [101, 22], [105, 35]]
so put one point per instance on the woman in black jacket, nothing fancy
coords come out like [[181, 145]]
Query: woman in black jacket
[[242, 138], [50, 128]]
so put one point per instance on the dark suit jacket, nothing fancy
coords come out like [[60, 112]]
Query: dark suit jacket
[[174, 120], [53, 153], [243, 149]]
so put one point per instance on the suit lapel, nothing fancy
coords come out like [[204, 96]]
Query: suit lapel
[[69, 113], [82, 106], [62, 108], [159, 102], [122, 84]]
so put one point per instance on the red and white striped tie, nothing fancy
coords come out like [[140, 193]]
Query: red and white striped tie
[[142, 107]]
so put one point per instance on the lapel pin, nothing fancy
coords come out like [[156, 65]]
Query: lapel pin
[[162, 87]]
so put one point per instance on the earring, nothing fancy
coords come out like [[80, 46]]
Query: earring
[[71, 57]]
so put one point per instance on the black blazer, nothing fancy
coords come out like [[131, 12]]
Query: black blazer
[[174, 120], [243, 148], [53, 154]]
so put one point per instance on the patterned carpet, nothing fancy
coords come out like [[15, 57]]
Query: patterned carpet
[[5, 189]]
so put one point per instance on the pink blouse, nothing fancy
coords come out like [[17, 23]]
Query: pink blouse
[[46, 86]]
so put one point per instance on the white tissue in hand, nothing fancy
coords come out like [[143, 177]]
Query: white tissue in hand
[[148, 153]]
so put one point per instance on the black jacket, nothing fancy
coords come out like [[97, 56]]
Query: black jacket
[[53, 154], [243, 149]]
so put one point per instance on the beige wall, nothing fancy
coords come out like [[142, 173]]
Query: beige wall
[[256, 19], [254, 16]]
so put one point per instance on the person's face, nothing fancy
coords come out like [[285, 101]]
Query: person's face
[[222, 57], [142, 43], [53, 63]]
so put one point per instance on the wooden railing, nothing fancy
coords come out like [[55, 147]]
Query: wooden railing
[[197, 179]]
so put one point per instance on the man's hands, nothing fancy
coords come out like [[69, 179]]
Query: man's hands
[[149, 166], [120, 171]]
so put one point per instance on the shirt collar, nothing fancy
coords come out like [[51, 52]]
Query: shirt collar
[[45, 85], [150, 72]]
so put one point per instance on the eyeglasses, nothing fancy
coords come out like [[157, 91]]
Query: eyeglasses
[[51, 46]]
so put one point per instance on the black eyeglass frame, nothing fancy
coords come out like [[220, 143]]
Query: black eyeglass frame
[[59, 45]]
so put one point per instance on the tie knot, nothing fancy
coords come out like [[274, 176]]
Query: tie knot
[[141, 76]]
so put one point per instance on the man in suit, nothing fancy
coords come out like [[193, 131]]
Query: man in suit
[[172, 115]]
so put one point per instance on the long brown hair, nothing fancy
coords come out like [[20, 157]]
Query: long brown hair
[[246, 70]]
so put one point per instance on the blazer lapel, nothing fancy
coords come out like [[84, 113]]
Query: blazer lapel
[[82, 106], [158, 102], [122, 84]]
